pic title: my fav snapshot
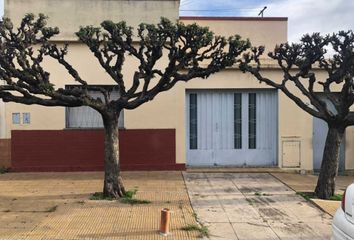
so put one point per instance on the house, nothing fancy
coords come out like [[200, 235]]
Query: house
[[227, 120]]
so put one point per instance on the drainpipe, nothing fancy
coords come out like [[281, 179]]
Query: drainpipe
[[2, 118]]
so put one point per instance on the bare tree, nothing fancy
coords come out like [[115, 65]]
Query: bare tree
[[319, 96], [192, 52]]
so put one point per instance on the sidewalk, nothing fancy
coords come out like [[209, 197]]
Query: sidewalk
[[57, 206], [254, 206], [307, 183]]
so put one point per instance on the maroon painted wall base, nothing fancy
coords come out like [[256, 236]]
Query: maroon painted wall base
[[83, 150]]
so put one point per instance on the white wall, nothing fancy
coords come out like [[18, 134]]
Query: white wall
[[69, 15]]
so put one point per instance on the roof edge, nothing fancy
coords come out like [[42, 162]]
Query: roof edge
[[234, 18]]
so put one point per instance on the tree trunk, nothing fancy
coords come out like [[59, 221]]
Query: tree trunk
[[326, 180], [113, 184]]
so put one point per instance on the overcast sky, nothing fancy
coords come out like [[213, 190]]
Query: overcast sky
[[304, 16]]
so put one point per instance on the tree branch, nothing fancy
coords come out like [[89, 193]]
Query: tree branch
[[349, 119], [21, 68]]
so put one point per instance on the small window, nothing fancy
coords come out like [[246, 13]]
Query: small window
[[16, 117], [26, 118]]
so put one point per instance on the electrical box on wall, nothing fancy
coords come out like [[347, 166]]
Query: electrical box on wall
[[291, 153]]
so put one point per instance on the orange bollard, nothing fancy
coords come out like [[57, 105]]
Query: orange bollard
[[165, 222]]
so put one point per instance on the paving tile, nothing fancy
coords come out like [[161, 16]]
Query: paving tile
[[322, 228], [329, 206], [211, 214], [254, 231], [222, 231], [297, 230]]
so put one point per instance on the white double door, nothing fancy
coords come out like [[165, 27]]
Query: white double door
[[231, 128]]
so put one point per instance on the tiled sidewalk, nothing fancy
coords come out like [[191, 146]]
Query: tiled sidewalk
[[307, 183], [28, 202]]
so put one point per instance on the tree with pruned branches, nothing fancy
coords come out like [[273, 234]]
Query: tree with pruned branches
[[192, 52], [329, 98]]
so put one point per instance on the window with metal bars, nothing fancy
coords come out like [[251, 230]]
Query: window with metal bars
[[86, 117]]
